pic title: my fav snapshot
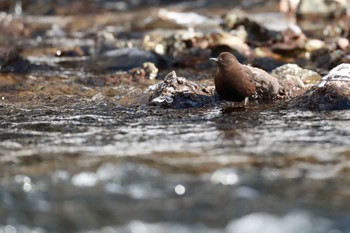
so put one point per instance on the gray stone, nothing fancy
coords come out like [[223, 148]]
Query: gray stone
[[122, 59], [267, 86], [331, 93], [178, 92]]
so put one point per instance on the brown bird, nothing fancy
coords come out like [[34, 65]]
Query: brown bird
[[233, 81]]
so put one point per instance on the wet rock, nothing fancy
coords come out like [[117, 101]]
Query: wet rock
[[74, 52], [188, 48], [265, 59], [121, 59], [177, 92], [11, 61], [138, 75], [308, 77], [266, 63], [257, 34], [229, 40], [106, 41], [343, 43], [294, 80], [326, 58], [267, 86], [178, 20], [293, 39], [148, 71], [192, 57], [218, 42], [331, 93], [155, 42], [314, 44], [183, 48], [231, 18], [291, 86], [183, 51], [11, 26], [322, 7]]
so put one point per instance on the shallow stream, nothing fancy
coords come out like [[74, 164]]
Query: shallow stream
[[78, 156]]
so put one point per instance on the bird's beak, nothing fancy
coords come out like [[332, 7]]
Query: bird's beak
[[213, 59]]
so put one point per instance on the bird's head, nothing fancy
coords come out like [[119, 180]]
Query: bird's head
[[225, 59]]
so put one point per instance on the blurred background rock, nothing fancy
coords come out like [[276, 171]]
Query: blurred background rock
[[66, 7]]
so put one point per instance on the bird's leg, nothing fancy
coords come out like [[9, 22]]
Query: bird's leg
[[246, 101]]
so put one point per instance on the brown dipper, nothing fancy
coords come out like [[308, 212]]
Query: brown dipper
[[233, 81]]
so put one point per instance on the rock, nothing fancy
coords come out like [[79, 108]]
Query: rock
[[11, 61], [150, 69], [229, 40], [138, 75], [326, 58], [107, 41], [177, 92], [291, 86], [294, 80], [293, 39], [177, 20], [155, 42], [267, 86], [343, 43], [322, 7], [121, 59], [257, 34], [314, 44], [79, 51], [266, 63], [308, 77], [181, 48], [331, 93]]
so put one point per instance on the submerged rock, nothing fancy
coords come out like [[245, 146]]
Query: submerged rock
[[11, 61], [178, 92], [331, 93]]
